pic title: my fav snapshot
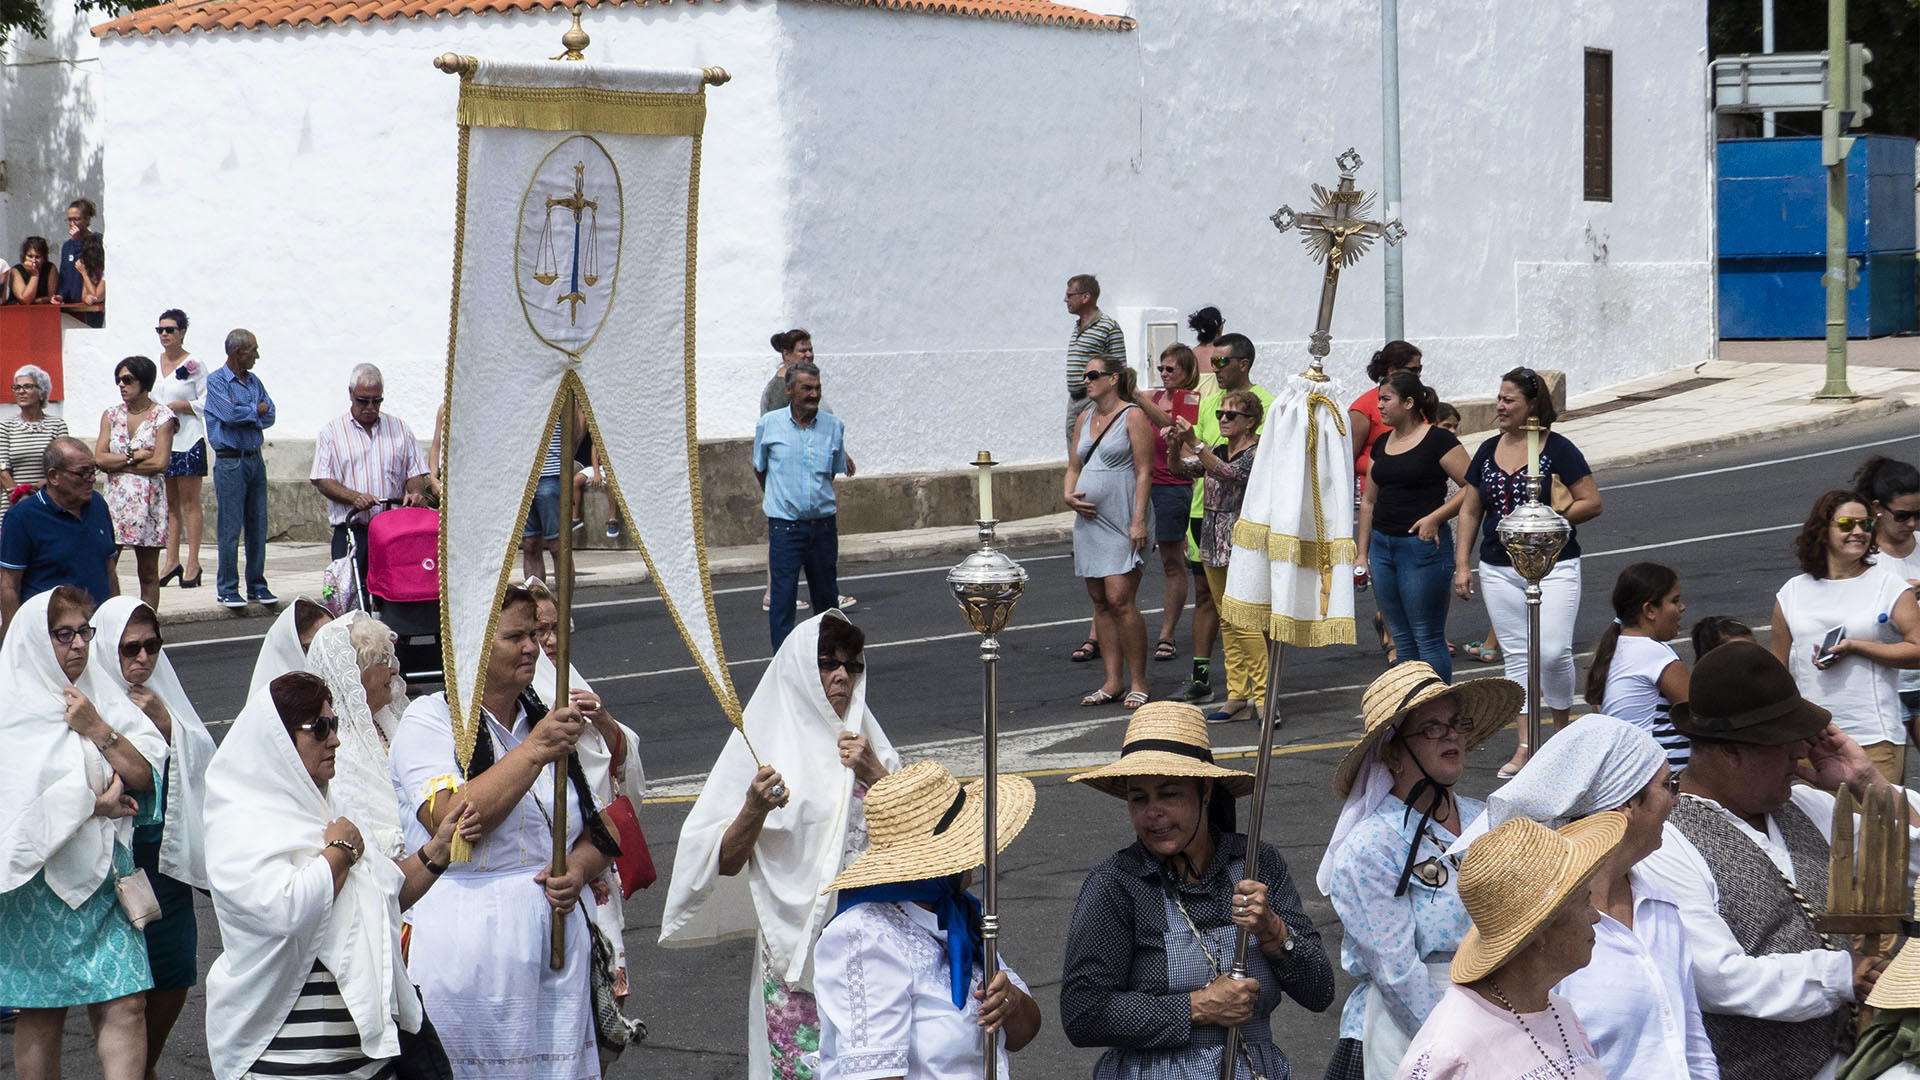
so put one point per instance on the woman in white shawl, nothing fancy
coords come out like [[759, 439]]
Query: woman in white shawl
[[67, 815], [756, 853], [285, 646], [309, 918], [609, 753], [1636, 997], [355, 656], [132, 668]]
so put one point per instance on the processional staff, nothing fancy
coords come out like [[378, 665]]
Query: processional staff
[[1302, 537]]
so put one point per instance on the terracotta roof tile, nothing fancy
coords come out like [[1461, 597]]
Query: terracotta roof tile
[[210, 15]]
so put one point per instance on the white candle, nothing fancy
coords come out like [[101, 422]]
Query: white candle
[[1533, 449], [985, 462]]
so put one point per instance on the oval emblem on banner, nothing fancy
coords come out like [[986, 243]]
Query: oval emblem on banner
[[567, 254]]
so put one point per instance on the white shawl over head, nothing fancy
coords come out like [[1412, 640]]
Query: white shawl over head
[[778, 893], [274, 897], [362, 788], [596, 757], [50, 774], [280, 652], [183, 855], [1594, 764]]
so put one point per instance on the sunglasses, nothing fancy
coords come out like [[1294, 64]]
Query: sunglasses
[[364, 401], [1223, 361], [1848, 524], [1092, 375], [1904, 517], [1225, 415], [1164, 368], [854, 667], [125, 380], [166, 329], [322, 727], [65, 634], [132, 649]]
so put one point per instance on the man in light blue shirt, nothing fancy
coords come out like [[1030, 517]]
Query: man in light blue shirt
[[796, 452], [238, 412]]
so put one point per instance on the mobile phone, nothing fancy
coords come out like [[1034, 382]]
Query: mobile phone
[[1823, 656]]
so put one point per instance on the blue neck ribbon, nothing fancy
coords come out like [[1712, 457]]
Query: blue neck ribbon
[[959, 915]]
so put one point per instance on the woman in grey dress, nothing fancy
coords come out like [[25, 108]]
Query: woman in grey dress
[[1108, 483]]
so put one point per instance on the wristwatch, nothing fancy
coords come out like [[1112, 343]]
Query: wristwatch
[[436, 871], [112, 737]]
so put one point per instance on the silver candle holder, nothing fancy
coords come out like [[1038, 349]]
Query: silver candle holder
[[1533, 534], [987, 584]]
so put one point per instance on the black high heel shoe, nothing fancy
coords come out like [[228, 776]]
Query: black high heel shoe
[[195, 583], [172, 575]]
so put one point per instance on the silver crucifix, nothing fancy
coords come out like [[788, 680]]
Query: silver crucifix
[[1337, 233]]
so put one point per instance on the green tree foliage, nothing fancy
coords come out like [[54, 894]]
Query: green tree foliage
[[1890, 28], [28, 16]]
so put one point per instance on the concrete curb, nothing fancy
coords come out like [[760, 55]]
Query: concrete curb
[[1864, 409]]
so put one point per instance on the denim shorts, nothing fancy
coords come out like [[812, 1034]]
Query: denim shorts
[[544, 519], [1171, 505], [1910, 700]]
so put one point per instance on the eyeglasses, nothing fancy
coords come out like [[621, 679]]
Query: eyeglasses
[[365, 401], [1167, 368], [322, 727], [1904, 517], [1223, 361], [1092, 375], [829, 663], [1848, 524], [1435, 730], [125, 380], [166, 329], [1072, 292], [85, 475], [132, 649], [1673, 784], [65, 634], [25, 388], [1228, 414]]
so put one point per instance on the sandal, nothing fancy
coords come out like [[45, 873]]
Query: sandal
[[1134, 699], [1099, 697], [1088, 650], [1477, 650], [1166, 650]]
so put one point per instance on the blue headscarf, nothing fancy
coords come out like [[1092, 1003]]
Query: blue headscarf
[[959, 916]]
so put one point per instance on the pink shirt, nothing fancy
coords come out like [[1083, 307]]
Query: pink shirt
[[1367, 405], [377, 462], [1467, 1037]]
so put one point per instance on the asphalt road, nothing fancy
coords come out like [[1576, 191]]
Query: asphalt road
[[1722, 520]]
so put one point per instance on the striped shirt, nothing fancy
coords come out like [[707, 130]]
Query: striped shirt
[[23, 446], [378, 462], [1101, 337], [319, 1038], [551, 465]]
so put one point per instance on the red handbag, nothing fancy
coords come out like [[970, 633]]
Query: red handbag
[[634, 862]]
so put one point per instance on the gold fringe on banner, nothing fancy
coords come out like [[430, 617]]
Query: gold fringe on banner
[[552, 108], [1282, 547], [1311, 633]]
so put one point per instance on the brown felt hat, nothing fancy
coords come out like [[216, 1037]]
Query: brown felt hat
[[1741, 693]]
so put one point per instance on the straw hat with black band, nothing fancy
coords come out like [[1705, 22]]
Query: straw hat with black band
[[1165, 738], [921, 823], [1362, 780], [1518, 876]]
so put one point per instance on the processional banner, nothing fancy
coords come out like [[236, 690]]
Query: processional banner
[[573, 269]]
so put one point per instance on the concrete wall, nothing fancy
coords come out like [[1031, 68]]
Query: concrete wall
[[50, 129], [915, 189]]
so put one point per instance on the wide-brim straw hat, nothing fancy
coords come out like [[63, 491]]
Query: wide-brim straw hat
[[1516, 878], [1489, 704], [922, 824], [1899, 985], [1165, 738]]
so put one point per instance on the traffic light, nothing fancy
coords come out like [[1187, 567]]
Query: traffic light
[[1858, 56]]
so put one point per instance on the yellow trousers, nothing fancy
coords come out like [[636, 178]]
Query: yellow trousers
[[1891, 759], [1246, 651]]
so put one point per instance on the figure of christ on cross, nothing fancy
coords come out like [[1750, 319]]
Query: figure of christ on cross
[[1337, 233]]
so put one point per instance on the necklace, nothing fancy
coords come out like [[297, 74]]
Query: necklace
[[1508, 1005]]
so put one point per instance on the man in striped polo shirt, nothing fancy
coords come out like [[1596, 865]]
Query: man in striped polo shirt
[[364, 462], [1095, 334]]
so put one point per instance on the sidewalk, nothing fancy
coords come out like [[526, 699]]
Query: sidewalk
[[1755, 391]]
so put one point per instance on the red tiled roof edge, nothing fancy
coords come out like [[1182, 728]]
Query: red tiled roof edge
[[239, 15]]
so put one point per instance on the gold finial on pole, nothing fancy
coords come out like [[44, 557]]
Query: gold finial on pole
[[456, 64], [717, 76], [574, 41]]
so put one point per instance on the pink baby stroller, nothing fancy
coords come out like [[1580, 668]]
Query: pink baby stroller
[[403, 586]]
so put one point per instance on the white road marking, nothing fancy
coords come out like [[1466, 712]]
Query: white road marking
[[1763, 464], [1688, 540]]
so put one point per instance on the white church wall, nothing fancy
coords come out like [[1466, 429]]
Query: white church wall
[[50, 131], [320, 216]]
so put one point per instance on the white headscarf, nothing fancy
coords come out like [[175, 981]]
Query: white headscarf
[[280, 652], [1596, 763], [183, 854], [596, 757], [794, 728], [1371, 787], [362, 788], [273, 894], [50, 774]]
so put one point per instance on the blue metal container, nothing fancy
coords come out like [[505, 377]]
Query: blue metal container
[[1782, 296]]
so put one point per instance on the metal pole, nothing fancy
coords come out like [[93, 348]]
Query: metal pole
[[563, 606], [1766, 46], [990, 889], [1396, 328], [1833, 148], [1533, 667], [1268, 722]]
